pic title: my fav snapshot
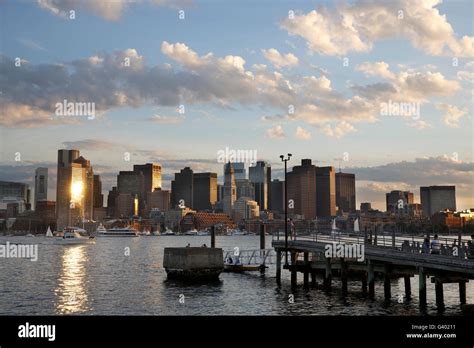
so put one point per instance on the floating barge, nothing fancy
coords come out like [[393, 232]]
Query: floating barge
[[193, 263]]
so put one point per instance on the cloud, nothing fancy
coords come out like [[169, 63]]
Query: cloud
[[91, 144], [280, 60], [338, 130], [466, 76], [302, 134], [419, 124], [111, 10], [452, 114], [356, 27], [276, 132]]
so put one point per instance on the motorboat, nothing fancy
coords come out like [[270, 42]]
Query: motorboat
[[145, 233], [168, 232], [192, 232], [203, 233], [237, 232], [30, 235], [74, 236], [156, 233], [119, 232]]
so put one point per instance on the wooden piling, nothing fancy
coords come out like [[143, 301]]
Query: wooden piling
[[407, 287], [422, 287], [293, 270], [213, 236], [328, 274], [262, 246], [462, 292], [278, 266], [364, 285], [371, 280], [439, 294], [306, 271], [313, 278], [386, 284], [344, 277]]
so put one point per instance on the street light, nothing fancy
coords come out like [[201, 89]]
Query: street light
[[283, 159]]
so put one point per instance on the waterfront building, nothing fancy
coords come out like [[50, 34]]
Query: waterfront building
[[277, 201], [437, 198], [325, 191], [182, 188], [345, 192], [230, 190], [204, 191], [261, 176], [132, 183], [158, 199], [41, 185], [151, 177], [398, 201], [245, 208], [245, 188], [302, 190], [98, 196]]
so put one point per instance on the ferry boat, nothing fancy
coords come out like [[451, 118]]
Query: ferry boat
[[74, 236], [118, 232]]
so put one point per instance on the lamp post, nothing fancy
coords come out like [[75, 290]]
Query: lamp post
[[283, 159]]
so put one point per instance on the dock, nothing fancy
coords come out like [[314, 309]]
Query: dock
[[392, 260]]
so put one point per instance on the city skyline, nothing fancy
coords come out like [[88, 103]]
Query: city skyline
[[192, 91]]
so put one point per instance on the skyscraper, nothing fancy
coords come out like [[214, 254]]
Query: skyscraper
[[245, 188], [151, 174], [41, 185], [132, 183], [230, 191], [345, 192], [98, 196], [260, 175], [239, 171], [182, 188], [277, 201], [302, 189], [74, 190], [204, 191], [437, 198], [326, 191]]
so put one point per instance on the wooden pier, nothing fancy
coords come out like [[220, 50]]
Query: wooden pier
[[386, 263]]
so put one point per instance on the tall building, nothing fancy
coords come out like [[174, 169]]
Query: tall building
[[325, 191], [302, 189], [398, 201], [345, 192], [98, 196], [41, 185], [239, 171], [437, 198], [204, 191], [158, 199], [245, 208], [365, 207], [245, 188], [132, 183], [151, 174], [230, 190], [111, 201], [182, 188], [14, 191], [277, 201], [260, 175], [74, 188]]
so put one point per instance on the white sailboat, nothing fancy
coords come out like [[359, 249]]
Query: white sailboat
[[49, 233], [334, 230], [356, 225]]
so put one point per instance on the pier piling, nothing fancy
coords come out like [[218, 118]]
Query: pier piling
[[262, 246], [344, 277], [407, 287], [462, 292], [371, 279], [278, 266], [364, 285], [328, 275], [213, 236], [439, 294], [386, 284], [422, 287], [306, 271], [293, 270]]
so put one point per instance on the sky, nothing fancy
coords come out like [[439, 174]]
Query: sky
[[175, 82]]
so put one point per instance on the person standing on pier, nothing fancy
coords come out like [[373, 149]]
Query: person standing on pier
[[435, 245], [425, 249]]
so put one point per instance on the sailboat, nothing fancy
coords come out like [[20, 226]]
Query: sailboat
[[334, 231], [356, 225], [49, 233]]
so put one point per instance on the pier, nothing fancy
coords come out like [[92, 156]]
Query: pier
[[387, 257]]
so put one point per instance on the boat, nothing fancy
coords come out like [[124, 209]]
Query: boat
[[119, 232], [168, 232], [238, 233], [145, 233], [74, 236], [30, 235], [203, 233], [192, 232], [156, 233], [101, 229], [356, 225], [49, 233]]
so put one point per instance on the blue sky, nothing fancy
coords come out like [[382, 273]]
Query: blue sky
[[239, 105]]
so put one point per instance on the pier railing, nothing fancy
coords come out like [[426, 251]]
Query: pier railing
[[453, 246], [250, 257]]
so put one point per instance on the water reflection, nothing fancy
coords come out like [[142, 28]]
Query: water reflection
[[71, 293]]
